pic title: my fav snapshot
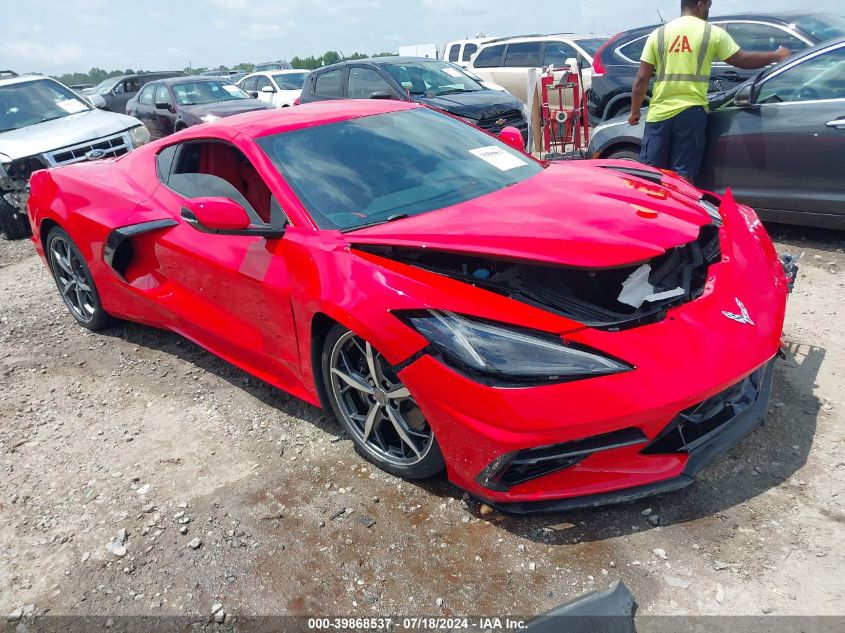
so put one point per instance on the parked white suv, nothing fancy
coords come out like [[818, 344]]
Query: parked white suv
[[277, 87], [45, 124], [506, 61]]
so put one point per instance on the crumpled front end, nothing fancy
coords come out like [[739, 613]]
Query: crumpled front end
[[699, 378]]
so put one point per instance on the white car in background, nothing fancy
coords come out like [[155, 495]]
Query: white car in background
[[45, 124], [277, 87], [506, 61]]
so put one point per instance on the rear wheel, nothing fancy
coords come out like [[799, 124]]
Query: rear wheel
[[13, 225], [376, 409], [73, 278]]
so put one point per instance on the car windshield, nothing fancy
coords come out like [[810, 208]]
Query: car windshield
[[379, 168], [32, 102], [105, 86], [592, 45], [290, 81], [197, 92], [432, 78], [821, 26]]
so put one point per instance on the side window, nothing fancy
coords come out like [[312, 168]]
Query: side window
[[329, 84], [216, 169], [524, 55], [363, 82], [489, 57], [164, 162], [819, 78], [557, 53], [469, 51], [261, 82], [162, 95], [132, 85], [146, 96], [763, 37], [249, 84], [634, 50], [454, 52]]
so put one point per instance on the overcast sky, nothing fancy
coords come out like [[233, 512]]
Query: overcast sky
[[58, 36]]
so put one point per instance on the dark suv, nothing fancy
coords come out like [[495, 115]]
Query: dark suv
[[616, 63], [431, 82]]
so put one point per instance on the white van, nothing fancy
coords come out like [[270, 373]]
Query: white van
[[461, 51]]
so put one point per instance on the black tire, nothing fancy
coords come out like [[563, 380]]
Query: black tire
[[383, 445], [13, 225], [625, 154], [74, 281]]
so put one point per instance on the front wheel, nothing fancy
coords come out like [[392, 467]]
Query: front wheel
[[74, 280], [376, 409]]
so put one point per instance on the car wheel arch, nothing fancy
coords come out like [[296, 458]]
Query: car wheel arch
[[321, 324], [47, 225]]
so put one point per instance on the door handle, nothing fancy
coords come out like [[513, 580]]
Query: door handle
[[838, 124], [730, 75]]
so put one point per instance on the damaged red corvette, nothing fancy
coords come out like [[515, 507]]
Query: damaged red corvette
[[553, 335]]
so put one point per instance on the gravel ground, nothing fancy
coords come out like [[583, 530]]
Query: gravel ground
[[140, 475]]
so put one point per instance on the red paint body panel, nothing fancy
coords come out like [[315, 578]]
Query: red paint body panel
[[571, 214], [253, 301]]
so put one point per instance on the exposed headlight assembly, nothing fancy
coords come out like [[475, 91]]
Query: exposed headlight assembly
[[139, 135], [506, 353]]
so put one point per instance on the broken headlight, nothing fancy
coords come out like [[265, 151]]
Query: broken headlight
[[506, 352]]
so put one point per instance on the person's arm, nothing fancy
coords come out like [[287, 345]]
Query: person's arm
[[751, 61], [639, 91]]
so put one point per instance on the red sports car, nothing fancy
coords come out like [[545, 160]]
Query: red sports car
[[553, 335]]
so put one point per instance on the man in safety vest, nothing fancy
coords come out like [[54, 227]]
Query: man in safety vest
[[679, 55]]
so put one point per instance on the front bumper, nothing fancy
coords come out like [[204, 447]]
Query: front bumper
[[705, 451]]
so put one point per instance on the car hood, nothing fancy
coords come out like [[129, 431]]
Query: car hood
[[227, 108], [483, 104], [69, 130], [583, 214]]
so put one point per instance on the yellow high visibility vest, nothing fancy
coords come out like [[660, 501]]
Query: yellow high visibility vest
[[682, 52]]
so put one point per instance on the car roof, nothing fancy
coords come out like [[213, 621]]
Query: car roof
[[277, 120], [782, 18], [380, 61], [278, 71], [572, 37], [6, 81], [187, 79]]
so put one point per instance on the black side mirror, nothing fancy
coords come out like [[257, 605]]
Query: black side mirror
[[253, 94], [744, 97], [381, 94], [162, 105]]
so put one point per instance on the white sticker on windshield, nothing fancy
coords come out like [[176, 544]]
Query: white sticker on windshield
[[452, 72], [71, 105], [232, 90], [498, 157]]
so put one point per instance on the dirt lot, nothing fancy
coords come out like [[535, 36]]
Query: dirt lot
[[136, 429]]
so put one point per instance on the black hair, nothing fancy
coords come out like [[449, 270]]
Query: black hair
[[689, 4]]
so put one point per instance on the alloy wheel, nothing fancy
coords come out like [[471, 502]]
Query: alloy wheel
[[375, 404], [74, 283]]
